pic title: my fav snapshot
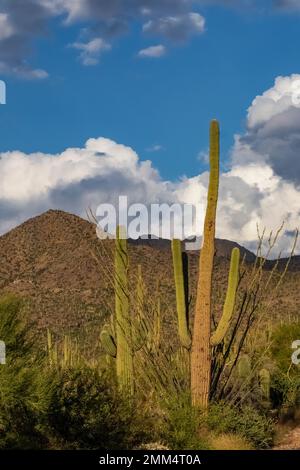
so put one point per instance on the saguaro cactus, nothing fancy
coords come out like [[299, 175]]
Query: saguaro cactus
[[202, 340], [121, 346], [183, 330], [123, 321]]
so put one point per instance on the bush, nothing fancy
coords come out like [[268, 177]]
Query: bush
[[281, 350], [247, 422], [285, 386], [188, 428], [183, 426], [18, 380], [87, 412]]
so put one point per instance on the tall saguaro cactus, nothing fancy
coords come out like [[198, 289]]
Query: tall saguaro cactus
[[203, 341], [117, 337], [201, 348], [124, 357]]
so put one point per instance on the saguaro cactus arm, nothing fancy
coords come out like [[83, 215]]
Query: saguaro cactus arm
[[183, 330], [108, 342], [228, 309]]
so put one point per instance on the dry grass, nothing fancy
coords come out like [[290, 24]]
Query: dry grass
[[229, 442]]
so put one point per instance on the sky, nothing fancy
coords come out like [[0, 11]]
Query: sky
[[109, 97]]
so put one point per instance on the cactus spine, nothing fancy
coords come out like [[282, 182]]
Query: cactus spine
[[183, 330], [202, 340]]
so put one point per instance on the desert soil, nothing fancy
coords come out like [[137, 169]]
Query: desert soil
[[291, 441]]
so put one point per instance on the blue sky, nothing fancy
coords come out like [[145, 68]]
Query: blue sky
[[147, 77], [142, 103]]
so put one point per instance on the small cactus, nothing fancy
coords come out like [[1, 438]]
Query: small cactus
[[244, 367], [264, 382]]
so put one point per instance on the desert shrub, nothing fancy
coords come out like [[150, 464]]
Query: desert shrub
[[285, 389], [19, 402], [246, 422], [281, 350], [87, 412], [222, 427], [286, 376], [14, 327], [182, 430]]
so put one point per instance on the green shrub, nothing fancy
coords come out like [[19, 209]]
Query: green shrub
[[19, 402], [285, 385], [182, 429], [87, 412], [281, 350], [247, 422], [285, 389]]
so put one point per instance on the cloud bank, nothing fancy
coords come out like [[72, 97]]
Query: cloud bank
[[99, 20], [261, 187], [171, 21]]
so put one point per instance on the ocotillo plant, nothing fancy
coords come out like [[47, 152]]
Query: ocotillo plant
[[121, 347], [203, 340], [157, 325]]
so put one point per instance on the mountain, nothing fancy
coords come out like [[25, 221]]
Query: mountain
[[223, 247], [58, 264]]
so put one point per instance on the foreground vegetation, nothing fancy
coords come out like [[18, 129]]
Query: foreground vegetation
[[63, 406]]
